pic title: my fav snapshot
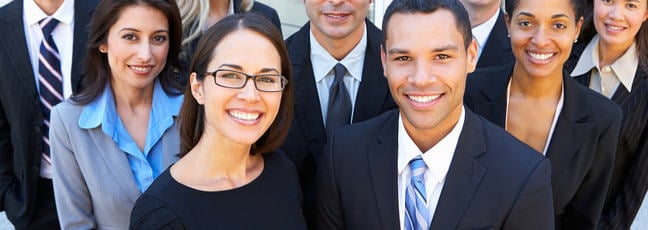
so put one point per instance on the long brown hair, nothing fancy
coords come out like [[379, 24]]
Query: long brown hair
[[641, 38], [192, 114], [96, 70]]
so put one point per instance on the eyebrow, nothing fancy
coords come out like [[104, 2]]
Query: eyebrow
[[238, 67], [552, 16], [436, 50], [136, 30]]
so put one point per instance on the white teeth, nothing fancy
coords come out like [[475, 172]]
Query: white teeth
[[244, 116], [614, 27], [141, 69], [541, 57], [423, 99]]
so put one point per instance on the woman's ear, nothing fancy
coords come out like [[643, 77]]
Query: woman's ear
[[197, 89]]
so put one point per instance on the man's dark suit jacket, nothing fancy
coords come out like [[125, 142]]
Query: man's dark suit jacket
[[494, 180], [20, 115], [307, 135], [581, 149], [629, 184], [497, 50]]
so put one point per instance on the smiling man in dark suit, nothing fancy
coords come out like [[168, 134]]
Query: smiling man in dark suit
[[338, 36], [25, 178], [432, 164]]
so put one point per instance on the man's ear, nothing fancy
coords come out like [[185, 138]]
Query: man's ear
[[197, 90], [471, 56]]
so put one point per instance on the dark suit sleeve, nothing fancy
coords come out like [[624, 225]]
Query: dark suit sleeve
[[6, 167], [329, 211], [584, 210], [533, 208], [151, 213]]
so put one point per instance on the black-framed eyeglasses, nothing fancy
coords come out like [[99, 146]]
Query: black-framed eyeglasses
[[236, 80]]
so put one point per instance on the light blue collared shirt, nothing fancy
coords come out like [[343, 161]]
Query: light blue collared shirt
[[147, 165]]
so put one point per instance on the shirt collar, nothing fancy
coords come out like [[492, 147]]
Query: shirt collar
[[482, 31], [323, 62], [33, 14], [438, 158], [624, 67], [102, 110]]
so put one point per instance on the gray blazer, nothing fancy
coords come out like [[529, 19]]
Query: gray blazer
[[94, 186]]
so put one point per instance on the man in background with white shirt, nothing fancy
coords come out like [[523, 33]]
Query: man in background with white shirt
[[25, 167], [337, 41], [432, 164], [489, 30]]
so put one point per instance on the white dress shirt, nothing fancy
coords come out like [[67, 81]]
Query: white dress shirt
[[437, 159], [606, 79], [63, 36], [324, 74], [483, 31]]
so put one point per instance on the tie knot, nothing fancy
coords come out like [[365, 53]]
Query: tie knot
[[340, 70], [417, 166], [47, 25]]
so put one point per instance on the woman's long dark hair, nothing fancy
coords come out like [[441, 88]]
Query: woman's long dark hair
[[192, 114], [96, 70]]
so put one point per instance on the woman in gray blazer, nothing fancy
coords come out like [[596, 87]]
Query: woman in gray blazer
[[110, 141]]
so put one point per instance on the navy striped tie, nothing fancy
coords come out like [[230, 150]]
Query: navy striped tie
[[50, 79], [417, 216]]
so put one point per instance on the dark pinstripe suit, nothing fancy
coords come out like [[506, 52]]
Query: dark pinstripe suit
[[630, 177]]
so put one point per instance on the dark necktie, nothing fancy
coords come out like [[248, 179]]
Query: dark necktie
[[50, 79], [339, 104]]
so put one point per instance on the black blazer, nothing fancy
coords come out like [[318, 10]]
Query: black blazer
[[497, 50], [628, 186], [20, 115], [494, 180], [307, 135], [582, 146]]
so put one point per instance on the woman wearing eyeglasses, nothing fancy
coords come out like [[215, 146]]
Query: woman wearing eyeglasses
[[236, 112]]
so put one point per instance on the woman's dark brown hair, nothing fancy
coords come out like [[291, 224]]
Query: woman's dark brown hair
[[96, 70], [192, 114], [641, 38]]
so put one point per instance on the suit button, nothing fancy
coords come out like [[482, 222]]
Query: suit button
[[37, 129], [36, 168]]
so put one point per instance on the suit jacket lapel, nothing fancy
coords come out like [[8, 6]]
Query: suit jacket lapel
[[571, 128], [116, 161], [16, 44], [492, 103], [170, 145], [464, 175], [307, 108], [496, 45], [382, 158], [82, 14], [373, 88]]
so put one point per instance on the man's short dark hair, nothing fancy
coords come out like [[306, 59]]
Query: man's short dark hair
[[428, 6]]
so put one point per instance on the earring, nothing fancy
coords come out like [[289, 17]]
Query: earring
[[576, 40], [508, 35], [102, 50]]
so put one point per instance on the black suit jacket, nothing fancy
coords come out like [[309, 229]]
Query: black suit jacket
[[497, 50], [307, 135], [628, 186], [494, 180], [20, 115], [581, 149]]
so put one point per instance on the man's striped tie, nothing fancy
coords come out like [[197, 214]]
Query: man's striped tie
[[50, 79], [417, 216]]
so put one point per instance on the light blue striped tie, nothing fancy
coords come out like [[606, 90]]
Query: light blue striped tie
[[417, 216]]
